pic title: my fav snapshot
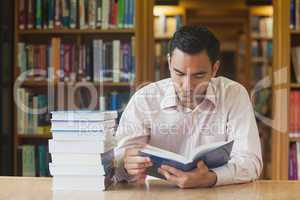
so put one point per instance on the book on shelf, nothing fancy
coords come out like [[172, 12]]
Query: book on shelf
[[214, 155], [81, 14], [295, 14], [165, 26], [96, 60], [294, 112], [261, 26], [33, 160], [296, 62], [32, 113], [294, 161], [82, 159]]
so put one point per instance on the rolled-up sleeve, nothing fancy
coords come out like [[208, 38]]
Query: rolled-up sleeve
[[246, 160]]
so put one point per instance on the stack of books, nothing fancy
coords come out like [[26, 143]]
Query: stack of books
[[82, 150]]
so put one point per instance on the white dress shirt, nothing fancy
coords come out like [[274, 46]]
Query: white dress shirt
[[154, 116]]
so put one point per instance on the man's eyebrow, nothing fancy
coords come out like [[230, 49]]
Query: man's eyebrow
[[194, 74]]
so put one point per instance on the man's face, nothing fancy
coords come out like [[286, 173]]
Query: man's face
[[191, 75]]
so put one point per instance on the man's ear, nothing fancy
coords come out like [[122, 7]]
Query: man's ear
[[215, 68], [169, 60]]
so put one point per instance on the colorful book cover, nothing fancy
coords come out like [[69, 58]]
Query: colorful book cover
[[22, 14], [30, 16], [73, 14], [38, 14]]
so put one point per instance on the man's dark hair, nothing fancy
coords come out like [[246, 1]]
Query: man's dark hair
[[195, 39]]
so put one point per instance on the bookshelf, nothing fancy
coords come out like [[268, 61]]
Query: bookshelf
[[110, 93], [283, 85], [167, 19], [261, 35]]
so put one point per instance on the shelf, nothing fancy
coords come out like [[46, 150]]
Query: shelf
[[294, 139], [295, 32], [44, 83], [34, 136], [259, 60], [77, 31], [261, 37], [162, 38], [295, 85]]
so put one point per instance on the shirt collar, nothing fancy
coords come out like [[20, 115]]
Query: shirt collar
[[170, 98]]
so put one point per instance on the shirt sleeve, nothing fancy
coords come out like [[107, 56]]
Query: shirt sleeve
[[246, 163], [130, 132]]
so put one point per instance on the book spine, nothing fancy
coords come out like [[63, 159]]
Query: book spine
[[89, 57], [55, 56], [116, 60], [28, 160], [82, 24], [57, 14], [30, 16], [62, 63], [92, 13], [121, 14], [22, 14], [105, 14], [131, 14], [114, 14], [38, 12], [66, 13], [73, 13], [51, 11], [42, 160], [67, 59], [99, 14]]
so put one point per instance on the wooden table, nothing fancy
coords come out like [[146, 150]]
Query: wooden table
[[22, 188]]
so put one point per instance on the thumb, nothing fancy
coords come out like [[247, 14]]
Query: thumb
[[200, 164]]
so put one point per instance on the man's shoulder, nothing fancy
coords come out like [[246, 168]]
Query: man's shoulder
[[226, 87], [158, 87]]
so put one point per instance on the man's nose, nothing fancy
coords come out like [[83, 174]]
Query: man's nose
[[186, 84]]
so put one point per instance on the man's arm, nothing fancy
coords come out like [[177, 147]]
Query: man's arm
[[132, 135], [246, 160]]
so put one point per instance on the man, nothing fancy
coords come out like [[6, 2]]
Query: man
[[190, 109]]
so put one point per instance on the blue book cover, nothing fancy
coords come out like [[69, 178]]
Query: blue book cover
[[214, 155]]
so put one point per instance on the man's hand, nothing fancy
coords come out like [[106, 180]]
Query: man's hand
[[199, 177], [135, 164]]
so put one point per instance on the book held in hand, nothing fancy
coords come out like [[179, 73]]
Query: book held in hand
[[214, 155]]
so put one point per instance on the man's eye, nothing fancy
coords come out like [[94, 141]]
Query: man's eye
[[200, 76], [179, 74]]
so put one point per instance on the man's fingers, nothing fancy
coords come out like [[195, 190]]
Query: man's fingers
[[133, 151], [172, 170], [137, 159], [171, 178], [136, 171], [137, 165]]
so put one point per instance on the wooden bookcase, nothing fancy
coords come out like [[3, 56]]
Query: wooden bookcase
[[281, 87], [261, 69], [161, 41], [143, 49]]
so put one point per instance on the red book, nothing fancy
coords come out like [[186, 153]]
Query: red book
[[294, 107], [22, 14], [67, 58], [114, 14]]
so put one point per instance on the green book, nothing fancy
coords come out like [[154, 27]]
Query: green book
[[28, 160], [120, 18], [42, 160], [38, 13]]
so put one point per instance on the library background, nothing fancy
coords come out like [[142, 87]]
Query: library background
[[128, 39]]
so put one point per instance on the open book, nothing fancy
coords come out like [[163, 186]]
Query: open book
[[213, 155]]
